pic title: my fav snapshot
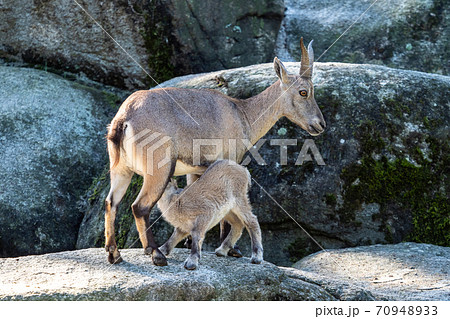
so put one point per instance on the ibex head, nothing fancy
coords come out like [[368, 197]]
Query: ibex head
[[171, 190], [297, 94]]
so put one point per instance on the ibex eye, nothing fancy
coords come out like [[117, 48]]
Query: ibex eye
[[303, 93]]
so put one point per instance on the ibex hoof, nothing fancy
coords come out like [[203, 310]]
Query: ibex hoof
[[113, 254], [158, 258], [256, 260], [114, 260], [235, 252]]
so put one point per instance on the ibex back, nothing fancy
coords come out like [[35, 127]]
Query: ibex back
[[152, 135]]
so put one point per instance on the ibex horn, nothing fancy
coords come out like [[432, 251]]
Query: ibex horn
[[306, 64]]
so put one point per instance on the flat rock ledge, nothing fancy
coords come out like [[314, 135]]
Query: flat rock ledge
[[405, 271], [86, 275]]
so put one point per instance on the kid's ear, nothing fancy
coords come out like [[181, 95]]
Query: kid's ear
[[174, 182]]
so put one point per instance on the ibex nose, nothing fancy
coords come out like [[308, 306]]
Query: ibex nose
[[317, 126]]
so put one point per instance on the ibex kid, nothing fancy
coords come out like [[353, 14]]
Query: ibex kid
[[220, 193]]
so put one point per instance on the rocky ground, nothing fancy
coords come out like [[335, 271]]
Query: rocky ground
[[406, 271], [86, 275]]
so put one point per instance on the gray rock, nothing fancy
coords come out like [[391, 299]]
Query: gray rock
[[386, 152], [86, 275], [406, 271], [63, 36], [407, 34], [163, 37], [52, 144], [215, 35]]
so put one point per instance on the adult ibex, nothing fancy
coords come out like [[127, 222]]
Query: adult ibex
[[152, 135], [221, 193]]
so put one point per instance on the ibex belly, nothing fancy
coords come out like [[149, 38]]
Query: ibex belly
[[183, 169]]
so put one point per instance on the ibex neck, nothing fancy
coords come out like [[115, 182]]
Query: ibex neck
[[263, 111]]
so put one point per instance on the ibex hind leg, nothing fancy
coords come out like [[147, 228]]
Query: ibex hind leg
[[228, 243], [254, 230], [151, 191], [120, 179], [225, 229]]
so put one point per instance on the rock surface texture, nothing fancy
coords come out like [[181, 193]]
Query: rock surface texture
[[386, 150], [51, 145], [406, 271], [407, 34], [161, 37], [215, 35], [63, 36], [86, 275]]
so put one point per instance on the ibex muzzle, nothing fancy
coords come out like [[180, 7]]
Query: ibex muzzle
[[157, 120]]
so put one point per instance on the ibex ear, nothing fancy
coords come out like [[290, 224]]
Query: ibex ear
[[280, 70]]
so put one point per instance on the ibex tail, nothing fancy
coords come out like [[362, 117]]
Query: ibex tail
[[114, 136]]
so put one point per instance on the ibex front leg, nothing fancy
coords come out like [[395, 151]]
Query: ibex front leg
[[190, 178], [120, 179], [170, 244], [191, 263]]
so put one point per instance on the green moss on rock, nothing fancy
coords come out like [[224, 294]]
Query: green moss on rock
[[155, 34], [400, 184]]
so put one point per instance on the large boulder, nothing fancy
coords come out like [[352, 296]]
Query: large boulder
[[215, 35], [52, 144], [386, 150], [85, 275], [161, 37], [62, 36], [406, 271], [407, 34]]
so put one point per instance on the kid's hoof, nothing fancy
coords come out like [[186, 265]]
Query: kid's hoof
[[256, 260], [220, 252], [235, 252], [189, 265], [159, 259]]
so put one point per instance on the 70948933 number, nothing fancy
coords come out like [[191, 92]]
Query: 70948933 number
[[407, 310]]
